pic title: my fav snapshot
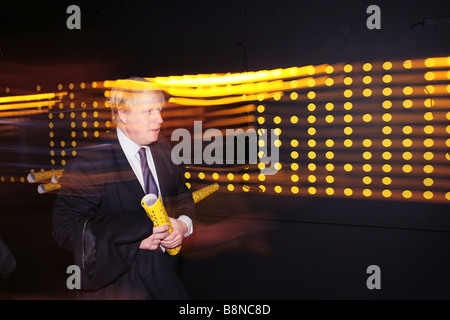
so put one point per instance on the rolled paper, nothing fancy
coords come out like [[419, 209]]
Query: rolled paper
[[55, 178], [155, 210], [48, 187], [204, 192], [42, 175]]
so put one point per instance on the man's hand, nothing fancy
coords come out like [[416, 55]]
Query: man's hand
[[176, 237], [153, 242]]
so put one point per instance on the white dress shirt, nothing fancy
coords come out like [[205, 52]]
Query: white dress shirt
[[131, 151]]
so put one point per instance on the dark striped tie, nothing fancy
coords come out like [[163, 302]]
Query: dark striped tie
[[149, 181]]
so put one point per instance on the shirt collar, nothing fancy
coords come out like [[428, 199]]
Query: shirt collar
[[129, 147]]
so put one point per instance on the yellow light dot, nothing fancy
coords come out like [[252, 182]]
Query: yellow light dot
[[230, 176], [261, 143], [428, 168], [407, 64], [311, 83], [407, 194], [386, 180], [348, 105], [277, 143], [428, 195], [261, 165], [294, 178], [407, 168], [367, 167], [294, 119], [428, 103], [230, 187], [312, 190], [348, 81], [348, 93], [386, 193], [428, 116], [367, 192], [387, 143], [277, 120], [294, 143], [367, 92], [201, 175], [429, 62], [311, 107], [367, 79], [260, 108], [329, 167], [294, 154], [278, 189], [429, 76], [387, 78], [329, 118], [348, 68], [407, 155], [311, 131], [367, 66], [348, 130], [311, 119], [312, 167], [387, 130], [407, 143], [261, 177], [311, 95], [312, 143], [348, 192], [386, 155], [447, 195], [428, 182], [348, 118], [387, 65], [407, 90], [293, 95], [329, 143], [277, 96], [367, 180], [348, 143], [407, 129], [294, 166], [311, 155], [329, 155], [348, 167], [262, 188], [329, 106], [387, 91], [407, 103], [312, 178], [367, 117], [329, 69], [367, 155], [261, 120], [367, 143], [428, 143], [386, 168], [329, 191], [387, 104], [294, 190], [428, 129], [428, 155], [329, 82]]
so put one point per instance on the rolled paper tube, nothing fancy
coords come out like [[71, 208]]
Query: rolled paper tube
[[55, 178], [157, 213], [202, 193], [42, 175], [48, 187]]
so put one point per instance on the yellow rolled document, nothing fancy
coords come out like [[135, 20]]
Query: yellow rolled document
[[42, 175], [202, 193], [48, 187], [157, 213]]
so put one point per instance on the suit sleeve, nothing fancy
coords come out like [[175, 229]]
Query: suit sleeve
[[104, 243]]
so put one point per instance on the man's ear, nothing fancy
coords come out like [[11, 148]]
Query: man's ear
[[122, 115]]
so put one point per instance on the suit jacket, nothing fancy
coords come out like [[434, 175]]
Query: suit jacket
[[97, 215]]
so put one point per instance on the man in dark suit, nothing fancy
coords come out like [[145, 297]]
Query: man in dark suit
[[98, 215]]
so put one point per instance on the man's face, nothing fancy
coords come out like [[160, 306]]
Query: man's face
[[142, 123]]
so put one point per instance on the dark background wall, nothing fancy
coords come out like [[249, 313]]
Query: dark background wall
[[260, 247]]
